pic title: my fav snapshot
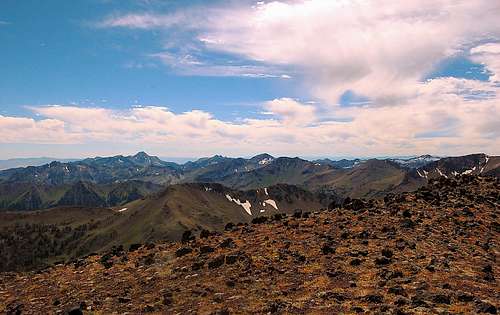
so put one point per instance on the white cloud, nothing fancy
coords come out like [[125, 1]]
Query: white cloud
[[439, 121], [291, 111], [147, 20], [488, 55], [380, 49], [187, 64], [28, 130]]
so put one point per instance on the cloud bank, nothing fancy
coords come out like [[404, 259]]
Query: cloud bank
[[380, 50], [439, 121]]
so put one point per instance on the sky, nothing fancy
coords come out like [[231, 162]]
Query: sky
[[315, 78]]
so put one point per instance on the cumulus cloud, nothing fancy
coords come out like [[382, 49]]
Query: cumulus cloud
[[488, 55], [379, 49], [291, 112], [439, 120], [28, 130]]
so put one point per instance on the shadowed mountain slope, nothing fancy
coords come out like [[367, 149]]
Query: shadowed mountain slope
[[428, 252], [162, 216]]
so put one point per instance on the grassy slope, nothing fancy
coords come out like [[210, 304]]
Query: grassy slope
[[163, 216]]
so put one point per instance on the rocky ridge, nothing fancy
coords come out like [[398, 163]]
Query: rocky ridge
[[431, 251]]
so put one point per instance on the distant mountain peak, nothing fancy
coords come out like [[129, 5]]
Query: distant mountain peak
[[263, 159], [262, 156], [142, 155]]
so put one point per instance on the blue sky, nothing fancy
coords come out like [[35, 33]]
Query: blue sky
[[52, 54], [301, 78]]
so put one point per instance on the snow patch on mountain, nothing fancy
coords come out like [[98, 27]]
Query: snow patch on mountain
[[467, 172], [485, 164], [265, 161], [441, 173], [245, 205], [272, 203]]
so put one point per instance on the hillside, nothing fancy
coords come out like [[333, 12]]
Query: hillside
[[99, 170], [26, 196], [33, 239], [114, 181], [369, 179], [431, 251], [25, 162]]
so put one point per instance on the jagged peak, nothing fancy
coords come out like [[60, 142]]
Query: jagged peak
[[262, 156], [141, 155]]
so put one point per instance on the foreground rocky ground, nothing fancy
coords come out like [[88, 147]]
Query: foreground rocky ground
[[432, 251]]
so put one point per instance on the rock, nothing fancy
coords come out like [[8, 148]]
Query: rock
[[183, 251], [278, 216], [327, 249], [75, 310], [216, 262], [382, 261], [15, 309], [353, 204], [386, 252], [223, 311], [168, 298], [488, 273], [441, 299], [275, 307], [259, 220], [205, 249], [374, 298], [486, 307], [106, 261], [487, 269], [187, 236], [227, 243], [197, 265], [397, 290], [149, 308], [204, 234], [408, 224], [229, 226], [134, 247], [231, 259], [400, 301], [418, 301], [465, 297], [149, 259]]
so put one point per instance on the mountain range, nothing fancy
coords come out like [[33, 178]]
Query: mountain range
[[25, 162], [61, 211], [115, 181]]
